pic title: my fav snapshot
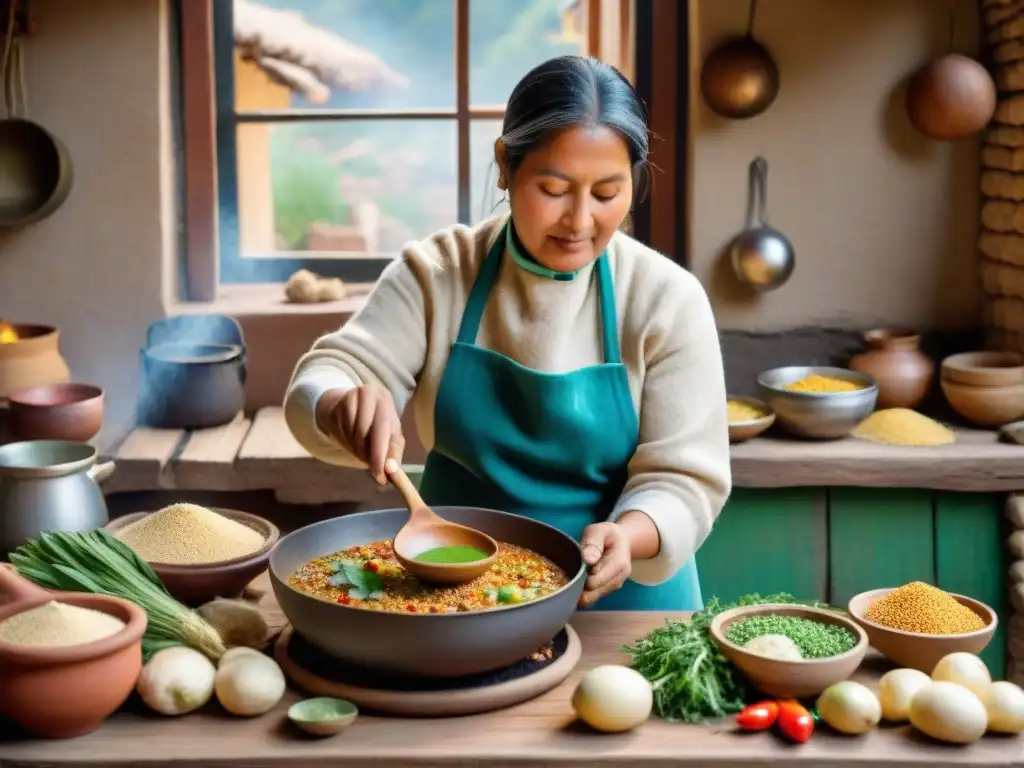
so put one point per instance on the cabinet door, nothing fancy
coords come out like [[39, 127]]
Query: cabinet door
[[767, 540]]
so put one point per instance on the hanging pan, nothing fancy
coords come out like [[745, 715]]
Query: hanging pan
[[739, 78], [35, 168]]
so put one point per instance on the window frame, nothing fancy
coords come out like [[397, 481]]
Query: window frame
[[209, 130]]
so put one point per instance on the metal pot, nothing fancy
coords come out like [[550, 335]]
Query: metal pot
[[739, 78], [193, 372], [761, 256], [424, 644], [49, 485]]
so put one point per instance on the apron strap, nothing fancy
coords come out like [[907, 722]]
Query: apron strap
[[481, 290], [477, 301], [609, 322]]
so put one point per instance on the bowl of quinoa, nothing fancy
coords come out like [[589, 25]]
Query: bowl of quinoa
[[199, 553], [917, 624]]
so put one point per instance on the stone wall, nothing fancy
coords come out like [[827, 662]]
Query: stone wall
[[1015, 626], [1001, 243]]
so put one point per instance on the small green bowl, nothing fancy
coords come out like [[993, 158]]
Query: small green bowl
[[323, 716]]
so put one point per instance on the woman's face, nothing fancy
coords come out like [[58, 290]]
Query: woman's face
[[570, 195]]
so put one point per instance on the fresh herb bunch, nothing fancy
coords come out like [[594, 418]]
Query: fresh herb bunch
[[692, 680], [99, 563]]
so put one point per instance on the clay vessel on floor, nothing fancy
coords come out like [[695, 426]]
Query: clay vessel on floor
[[903, 372]]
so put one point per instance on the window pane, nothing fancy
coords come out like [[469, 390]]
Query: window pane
[[507, 39], [485, 199], [344, 189], [344, 54]]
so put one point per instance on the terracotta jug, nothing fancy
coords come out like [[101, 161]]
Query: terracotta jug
[[903, 372]]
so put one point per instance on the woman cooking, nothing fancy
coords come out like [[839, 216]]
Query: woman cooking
[[557, 368]]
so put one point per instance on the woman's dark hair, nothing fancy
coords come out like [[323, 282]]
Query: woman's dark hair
[[569, 91]]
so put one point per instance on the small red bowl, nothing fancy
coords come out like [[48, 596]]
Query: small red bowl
[[64, 411]]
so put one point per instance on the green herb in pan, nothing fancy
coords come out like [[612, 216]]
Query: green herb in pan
[[97, 562], [691, 678]]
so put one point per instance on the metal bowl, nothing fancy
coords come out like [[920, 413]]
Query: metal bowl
[[819, 415], [426, 644]]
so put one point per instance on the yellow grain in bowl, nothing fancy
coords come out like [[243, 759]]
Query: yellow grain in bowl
[[922, 608], [53, 625], [740, 411], [818, 384], [902, 426], [187, 534]]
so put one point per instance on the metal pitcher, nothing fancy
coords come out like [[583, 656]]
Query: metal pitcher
[[49, 485]]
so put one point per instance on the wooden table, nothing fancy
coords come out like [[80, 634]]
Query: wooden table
[[537, 733]]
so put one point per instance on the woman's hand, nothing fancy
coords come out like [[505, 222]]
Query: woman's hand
[[609, 550], [606, 551], [365, 421]]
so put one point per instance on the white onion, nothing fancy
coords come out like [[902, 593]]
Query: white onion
[[964, 669], [1004, 703], [948, 712], [895, 690]]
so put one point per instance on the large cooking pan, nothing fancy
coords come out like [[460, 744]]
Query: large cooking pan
[[436, 645]]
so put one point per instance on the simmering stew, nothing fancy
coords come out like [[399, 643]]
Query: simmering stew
[[368, 576]]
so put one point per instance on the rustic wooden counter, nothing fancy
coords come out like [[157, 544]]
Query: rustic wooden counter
[[537, 733], [259, 453]]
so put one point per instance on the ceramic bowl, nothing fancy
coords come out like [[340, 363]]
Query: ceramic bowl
[[198, 584], [989, 368], [917, 650], [68, 691], [323, 716], [985, 406], [65, 411], [818, 415], [790, 679], [745, 430]]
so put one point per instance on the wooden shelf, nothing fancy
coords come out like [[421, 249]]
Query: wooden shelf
[[261, 454], [977, 462]]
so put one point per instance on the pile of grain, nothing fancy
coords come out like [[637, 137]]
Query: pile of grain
[[56, 624], [920, 607], [740, 411], [187, 534], [818, 384], [902, 426]]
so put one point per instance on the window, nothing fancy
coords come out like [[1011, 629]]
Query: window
[[345, 128]]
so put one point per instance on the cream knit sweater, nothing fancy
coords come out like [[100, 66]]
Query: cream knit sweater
[[679, 475]]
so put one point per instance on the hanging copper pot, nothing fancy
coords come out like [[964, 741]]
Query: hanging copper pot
[[951, 98], [739, 78]]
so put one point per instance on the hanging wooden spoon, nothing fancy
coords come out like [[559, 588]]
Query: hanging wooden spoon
[[426, 533]]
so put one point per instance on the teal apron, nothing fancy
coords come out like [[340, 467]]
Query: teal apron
[[551, 447]]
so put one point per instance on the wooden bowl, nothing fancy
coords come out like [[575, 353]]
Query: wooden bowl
[[197, 584], [62, 411], [986, 406], [745, 430], [989, 368], [917, 650], [790, 679]]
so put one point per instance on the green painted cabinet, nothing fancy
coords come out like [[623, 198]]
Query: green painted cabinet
[[830, 544]]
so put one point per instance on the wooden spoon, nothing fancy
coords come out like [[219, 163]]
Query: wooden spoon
[[425, 530]]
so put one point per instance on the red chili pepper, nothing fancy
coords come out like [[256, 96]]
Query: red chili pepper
[[344, 599], [758, 717], [795, 722], [372, 566]]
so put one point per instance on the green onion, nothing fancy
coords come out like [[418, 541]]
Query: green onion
[[97, 562]]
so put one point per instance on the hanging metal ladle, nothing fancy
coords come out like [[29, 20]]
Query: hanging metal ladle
[[762, 257]]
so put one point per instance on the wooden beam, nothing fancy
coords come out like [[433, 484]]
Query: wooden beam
[[200, 145]]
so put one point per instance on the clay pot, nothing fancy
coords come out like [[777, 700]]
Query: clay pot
[[34, 359], [64, 411], [903, 372], [951, 98], [67, 691]]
